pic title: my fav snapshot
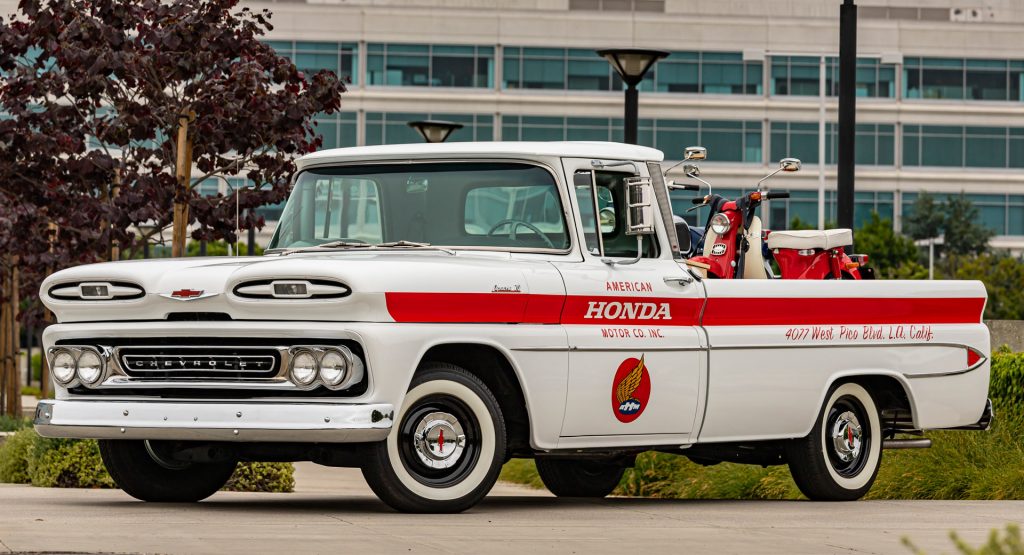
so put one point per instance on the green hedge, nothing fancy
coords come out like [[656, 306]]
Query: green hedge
[[959, 465], [27, 458]]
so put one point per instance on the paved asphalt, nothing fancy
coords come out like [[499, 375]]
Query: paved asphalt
[[332, 511]]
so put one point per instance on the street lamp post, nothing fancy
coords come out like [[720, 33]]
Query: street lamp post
[[631, 64], [435, 131]]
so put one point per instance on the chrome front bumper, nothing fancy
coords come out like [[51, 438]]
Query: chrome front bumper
[[205, 421]]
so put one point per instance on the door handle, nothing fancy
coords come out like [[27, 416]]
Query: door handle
[[681, 280]]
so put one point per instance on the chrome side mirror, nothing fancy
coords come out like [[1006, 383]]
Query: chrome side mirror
[[691, 170], [790, 164], [695, 153], [639, 209]]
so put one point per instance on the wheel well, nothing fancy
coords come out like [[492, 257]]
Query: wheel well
[[494, 369], [892, 400]]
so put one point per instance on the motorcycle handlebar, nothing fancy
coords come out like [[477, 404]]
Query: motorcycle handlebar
[[688, 186], [773, 194], [699, 200]]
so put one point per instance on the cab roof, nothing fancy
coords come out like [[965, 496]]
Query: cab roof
[[506, 149]]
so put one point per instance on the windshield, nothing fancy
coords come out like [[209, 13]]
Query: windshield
[[456, 204]]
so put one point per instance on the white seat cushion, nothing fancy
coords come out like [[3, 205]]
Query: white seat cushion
[[810, 239]]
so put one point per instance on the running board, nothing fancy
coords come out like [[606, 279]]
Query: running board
[[922, 443]]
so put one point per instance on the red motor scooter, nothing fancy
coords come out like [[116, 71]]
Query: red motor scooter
[[733, 241]]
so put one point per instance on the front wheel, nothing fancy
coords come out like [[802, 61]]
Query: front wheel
[[147, 471], [447, 446], [840, 458], [578, 477]]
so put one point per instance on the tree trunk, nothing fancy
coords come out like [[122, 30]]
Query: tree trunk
[[9, 341], [183, 172]]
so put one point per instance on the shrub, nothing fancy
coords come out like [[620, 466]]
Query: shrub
[[15, 454], [12, 424], [73, 463], [31, 390], [1009, 544], [263, 476], [1007, 385]]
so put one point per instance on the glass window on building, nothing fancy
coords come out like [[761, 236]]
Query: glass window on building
[[338, 129], [425, 65], [706, 72], [388, 128], [957, 78], [310, 57], [874, 144], [794, 140], [964, 147], [556, 128], [798, 76]]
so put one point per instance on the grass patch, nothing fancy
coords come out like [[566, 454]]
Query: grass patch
[[959, 465], [12, 424]]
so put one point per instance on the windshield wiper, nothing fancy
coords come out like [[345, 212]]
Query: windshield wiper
[[404, 243], [328, 245]]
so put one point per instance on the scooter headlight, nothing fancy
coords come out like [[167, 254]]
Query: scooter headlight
[[720, 224]]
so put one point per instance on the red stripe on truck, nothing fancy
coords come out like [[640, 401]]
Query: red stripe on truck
[[525, 308], [724, 311]]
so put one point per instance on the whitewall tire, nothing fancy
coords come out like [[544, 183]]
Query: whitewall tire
[[839, 459], [446, 448]]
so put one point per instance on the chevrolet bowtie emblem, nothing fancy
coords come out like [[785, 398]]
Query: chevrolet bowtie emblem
[[186, 294]]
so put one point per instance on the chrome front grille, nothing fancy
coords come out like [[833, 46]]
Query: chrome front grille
[[200, 362]]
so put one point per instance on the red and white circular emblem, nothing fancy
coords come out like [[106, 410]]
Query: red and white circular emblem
[[631, 389]]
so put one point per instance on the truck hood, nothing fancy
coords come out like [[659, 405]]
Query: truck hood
[[206, 288]]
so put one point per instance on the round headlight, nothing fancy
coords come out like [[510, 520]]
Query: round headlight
[[720, 224], [63, 366], [333, 368], [90, 367], [303, 368]]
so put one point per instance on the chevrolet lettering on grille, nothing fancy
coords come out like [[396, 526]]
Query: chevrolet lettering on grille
[[199, 362]]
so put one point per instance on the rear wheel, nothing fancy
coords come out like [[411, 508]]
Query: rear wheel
[[840, 458], [147, 471], [579, 478], [447, 446]]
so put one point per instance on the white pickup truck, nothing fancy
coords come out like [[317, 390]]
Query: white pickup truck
[[426, 312]]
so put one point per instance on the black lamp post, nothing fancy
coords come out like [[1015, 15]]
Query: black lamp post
[[435, 131], [631, 64], [847, 111]]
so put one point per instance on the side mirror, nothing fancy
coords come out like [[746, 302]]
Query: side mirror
[[695, 153], [790, 164], [691, 170], [683, 233], [639, 209]]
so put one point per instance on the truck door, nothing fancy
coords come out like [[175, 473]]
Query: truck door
[[636, 355]]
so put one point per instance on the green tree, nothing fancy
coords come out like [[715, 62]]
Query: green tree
[[963, 234], [797, 224], [1003, 276], [891, 254], [926, 218]]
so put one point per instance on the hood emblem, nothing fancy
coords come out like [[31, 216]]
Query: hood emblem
[[187, 294]]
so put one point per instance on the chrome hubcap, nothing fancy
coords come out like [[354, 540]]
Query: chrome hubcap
[[847, 437], [439, 440]]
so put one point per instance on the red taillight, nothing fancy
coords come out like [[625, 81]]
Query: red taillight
[[972, 357]]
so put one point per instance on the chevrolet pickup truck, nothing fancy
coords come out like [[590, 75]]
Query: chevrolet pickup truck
[[427, 312]]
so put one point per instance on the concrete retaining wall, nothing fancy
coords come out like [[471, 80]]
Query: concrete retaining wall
[[1007, 332]]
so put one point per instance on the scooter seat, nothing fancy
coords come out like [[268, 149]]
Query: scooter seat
[[810, 239]]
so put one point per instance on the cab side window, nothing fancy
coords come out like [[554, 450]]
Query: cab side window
[[609, 191]]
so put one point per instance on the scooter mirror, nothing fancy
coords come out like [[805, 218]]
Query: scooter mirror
[[695, 153], [691, 170], [790, 164]]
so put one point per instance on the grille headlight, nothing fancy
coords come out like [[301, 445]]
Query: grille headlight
[[720, 224], [63, 366], [333, 368], [304, 368], [90, 367]]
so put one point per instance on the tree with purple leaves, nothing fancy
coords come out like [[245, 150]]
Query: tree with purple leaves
[[91, 92]]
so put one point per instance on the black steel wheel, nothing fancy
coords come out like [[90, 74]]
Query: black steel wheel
[[146, 471], [579, 477]]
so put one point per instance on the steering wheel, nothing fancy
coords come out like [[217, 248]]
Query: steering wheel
[[517, 223]]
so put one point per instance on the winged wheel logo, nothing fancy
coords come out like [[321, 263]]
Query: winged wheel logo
[[631, 390]]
